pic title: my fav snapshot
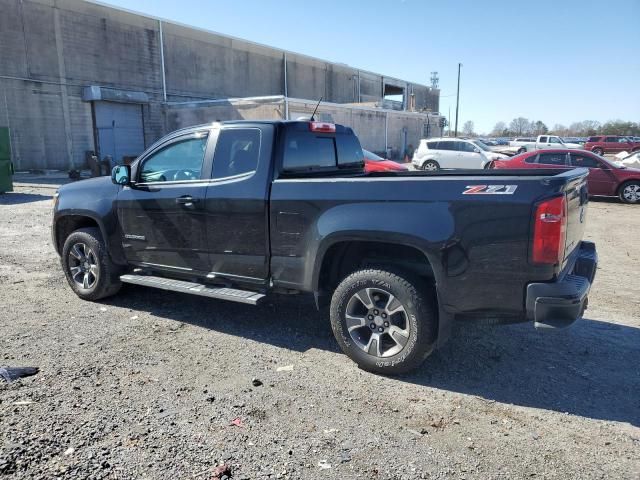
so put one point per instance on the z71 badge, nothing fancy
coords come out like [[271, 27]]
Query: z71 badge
[[490, 190]]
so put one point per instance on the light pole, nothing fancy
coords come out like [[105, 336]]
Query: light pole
[[455, 134]]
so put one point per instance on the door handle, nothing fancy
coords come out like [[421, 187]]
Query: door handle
[[186, 200]]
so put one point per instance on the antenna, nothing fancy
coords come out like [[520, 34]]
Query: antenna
[[434, 80], [315, 110]]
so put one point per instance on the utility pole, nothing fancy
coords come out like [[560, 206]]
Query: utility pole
[[455, 134]]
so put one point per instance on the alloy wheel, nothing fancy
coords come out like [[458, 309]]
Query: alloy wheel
[[631, 193], [377, 322], [430, 166], [83, 266]]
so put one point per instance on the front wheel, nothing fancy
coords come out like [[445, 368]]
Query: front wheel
[[630, 192], [384, 321], [86, 264], [521, 150]]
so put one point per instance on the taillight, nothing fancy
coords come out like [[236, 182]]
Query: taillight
[[322, 127], [550, 231]]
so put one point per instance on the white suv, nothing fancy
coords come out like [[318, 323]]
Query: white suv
[[436, 153]]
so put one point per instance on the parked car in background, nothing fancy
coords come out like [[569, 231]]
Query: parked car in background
[[374, 163], [605, 178], [602, 144], [521, 141], [543, 142], [576, 140], [437, 153]]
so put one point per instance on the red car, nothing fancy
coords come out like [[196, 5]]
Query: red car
[[611, 144], [605, 177], [374, 163]]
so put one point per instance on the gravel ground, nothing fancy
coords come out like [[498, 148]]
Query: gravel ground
[[151, 384]]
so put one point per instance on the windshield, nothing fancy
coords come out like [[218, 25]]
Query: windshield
[[372, 156], [481, 145]]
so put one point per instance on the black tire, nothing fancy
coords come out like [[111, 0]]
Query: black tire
[[431, 165], [521, 150], [598, 151], [418, 317], [629, 197], [103, 275]]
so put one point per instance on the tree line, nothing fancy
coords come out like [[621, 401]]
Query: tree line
[[521, 126]]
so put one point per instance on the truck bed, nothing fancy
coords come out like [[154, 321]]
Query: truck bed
[[477, 242]]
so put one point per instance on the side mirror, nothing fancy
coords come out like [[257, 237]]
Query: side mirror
[[121, 174], [476, 150]]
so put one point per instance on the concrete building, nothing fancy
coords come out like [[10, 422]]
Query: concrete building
[[78, 76]]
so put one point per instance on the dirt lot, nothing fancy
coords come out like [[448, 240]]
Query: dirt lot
[[147, 384]]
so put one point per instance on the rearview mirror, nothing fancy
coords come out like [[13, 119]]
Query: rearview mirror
[[121, 174]]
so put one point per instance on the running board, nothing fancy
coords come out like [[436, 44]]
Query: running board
[[222, 293]]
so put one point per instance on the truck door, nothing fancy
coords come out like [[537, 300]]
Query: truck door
[[236, 204], [162, 215], [543, 142]]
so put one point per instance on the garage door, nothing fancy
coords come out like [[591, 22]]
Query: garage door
[[119, 128]]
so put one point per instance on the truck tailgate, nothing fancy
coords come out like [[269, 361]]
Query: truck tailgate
[[577, 199]]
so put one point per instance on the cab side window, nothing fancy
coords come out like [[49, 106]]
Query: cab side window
[[178, 161], [237, 152]]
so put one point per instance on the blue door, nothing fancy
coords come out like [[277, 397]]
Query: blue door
[[119, 128]]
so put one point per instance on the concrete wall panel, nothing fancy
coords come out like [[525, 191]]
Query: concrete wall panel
[[13, 48]]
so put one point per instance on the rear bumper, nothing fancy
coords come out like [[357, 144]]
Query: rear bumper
[[558, 304]]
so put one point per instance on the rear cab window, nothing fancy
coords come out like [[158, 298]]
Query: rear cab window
[[305, 150]]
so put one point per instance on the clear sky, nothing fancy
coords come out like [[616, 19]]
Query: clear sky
[[556, 61]]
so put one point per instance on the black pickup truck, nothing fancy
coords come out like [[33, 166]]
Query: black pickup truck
[[241, 210]]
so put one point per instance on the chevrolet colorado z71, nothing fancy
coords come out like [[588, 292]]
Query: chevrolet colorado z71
[[239, 210]]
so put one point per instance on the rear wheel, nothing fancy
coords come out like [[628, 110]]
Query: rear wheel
[[384, 321], [598, 151], [522, 150], [430, 165], [630, 192], [86, 264]]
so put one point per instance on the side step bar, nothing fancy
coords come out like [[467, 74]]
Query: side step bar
[[222, 293]]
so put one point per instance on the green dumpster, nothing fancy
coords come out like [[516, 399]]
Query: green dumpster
[[6, 167]]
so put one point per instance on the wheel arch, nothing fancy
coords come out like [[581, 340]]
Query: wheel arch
[[68, 222], [345, 254], [342, 254]]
